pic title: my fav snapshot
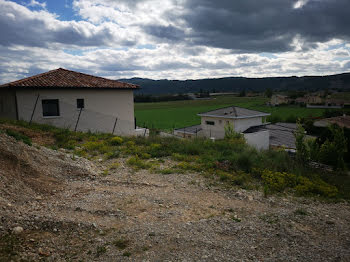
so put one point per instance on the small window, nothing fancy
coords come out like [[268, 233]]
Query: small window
[[220, 121], [51, 107], [80, 103], [211, 123]]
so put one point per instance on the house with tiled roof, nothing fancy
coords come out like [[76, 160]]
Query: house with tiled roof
[[213, 125], [71, 100]]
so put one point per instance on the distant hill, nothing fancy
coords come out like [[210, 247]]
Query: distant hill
[[237, 84]]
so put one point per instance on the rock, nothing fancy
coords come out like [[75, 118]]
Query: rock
[[42, 252], [18, 230]]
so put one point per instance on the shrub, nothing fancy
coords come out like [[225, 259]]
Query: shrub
[[291, 119], [116, 141], [179, 157], [230, 132], [97, 147], [278, 181], [112, 154], [137, 163], [185, 166], [121, 243], [144, 156], [114, 166], [333, 149], [306, 187], [274, 118], [302, 153], [166, 171], [245, 162]]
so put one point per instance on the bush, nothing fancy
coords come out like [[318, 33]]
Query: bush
[[302, 153], [230, 132], [291, 119], [274, 118], [333, 149], [116, 141], [137, 163], [278, 181]]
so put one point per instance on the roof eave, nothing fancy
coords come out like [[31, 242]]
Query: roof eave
[[234, 117], [63, 87]]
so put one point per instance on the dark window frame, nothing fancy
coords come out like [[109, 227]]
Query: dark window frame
[[210, 123], [80, 103], [48, 107]]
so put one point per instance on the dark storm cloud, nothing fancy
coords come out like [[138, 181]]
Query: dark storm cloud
[[265, 26], [168, 32]]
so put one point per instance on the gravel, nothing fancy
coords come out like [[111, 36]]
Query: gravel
[[67, 210]]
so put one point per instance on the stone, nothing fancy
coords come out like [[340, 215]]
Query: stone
[[18, 230], [42, 252]]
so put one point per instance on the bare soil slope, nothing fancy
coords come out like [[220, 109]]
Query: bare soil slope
[[71, 212]]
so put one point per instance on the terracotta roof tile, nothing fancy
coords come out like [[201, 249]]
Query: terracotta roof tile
[[63, 78]]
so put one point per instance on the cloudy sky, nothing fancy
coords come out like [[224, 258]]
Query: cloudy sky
[[175, 39]]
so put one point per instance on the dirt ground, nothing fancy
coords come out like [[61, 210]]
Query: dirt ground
[[69, 211]]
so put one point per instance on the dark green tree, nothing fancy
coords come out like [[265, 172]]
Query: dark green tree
[[268, 92]]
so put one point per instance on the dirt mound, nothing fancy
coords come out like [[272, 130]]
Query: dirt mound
[[29, 171]]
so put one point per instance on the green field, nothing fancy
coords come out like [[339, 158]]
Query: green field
[[176, 114]]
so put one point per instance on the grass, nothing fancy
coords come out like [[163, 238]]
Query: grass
[[100, 250], [176, 114], [300, 212], [19, 136], [121, 243]]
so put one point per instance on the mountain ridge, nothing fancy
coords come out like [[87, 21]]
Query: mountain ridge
[[237, 84]]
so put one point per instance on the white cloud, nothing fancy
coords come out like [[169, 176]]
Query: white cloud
[[108, 40], [36, 3]]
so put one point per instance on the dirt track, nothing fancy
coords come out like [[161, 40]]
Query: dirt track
[[139, 216]]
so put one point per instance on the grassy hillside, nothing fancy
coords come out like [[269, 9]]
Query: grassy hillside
[[230, 162], [167, 115]]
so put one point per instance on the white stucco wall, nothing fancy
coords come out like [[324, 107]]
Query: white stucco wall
[[102, 107], [218, 130], [243, 124], [259, 140]]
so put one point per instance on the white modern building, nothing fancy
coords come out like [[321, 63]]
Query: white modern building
[[213, 125], [73, 100]]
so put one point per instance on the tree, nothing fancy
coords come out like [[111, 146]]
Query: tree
[[302, 154], [332, 151], [268, 92], [242, 93]]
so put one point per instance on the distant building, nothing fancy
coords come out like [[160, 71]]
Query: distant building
[[314, 99], [213, 125], [342, 121], [301, 100], [277, 100]]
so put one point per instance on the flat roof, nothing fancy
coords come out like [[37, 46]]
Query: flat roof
[[234, 112]]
